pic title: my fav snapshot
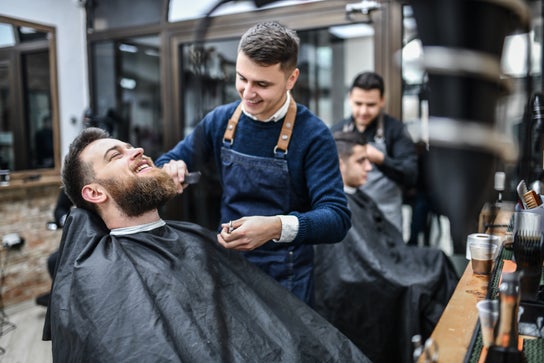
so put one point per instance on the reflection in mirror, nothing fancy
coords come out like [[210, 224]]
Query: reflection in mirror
[[130, 107], [6, 152], [27, 122]]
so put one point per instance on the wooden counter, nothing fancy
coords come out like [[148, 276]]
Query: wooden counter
[[454, 330]]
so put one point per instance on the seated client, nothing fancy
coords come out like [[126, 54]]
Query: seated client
[[372, 286], [130, 287]]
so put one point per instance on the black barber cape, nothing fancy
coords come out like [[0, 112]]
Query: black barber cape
[[376, 289], [174, 294]]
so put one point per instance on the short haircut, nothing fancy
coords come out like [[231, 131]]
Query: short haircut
[[345, 141], [75, 173], [271, 43], [368, 81]]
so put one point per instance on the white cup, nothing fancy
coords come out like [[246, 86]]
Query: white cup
[[488, 313]]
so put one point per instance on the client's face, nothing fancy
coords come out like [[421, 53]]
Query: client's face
[[355, 168], [130, 178]]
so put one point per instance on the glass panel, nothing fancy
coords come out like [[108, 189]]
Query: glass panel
[[27, 139], [208, 83], [414, 79], [184, 10], [27, 34], [7, 37], [38, 109], [127, 91], [6, 136], [114, 14]]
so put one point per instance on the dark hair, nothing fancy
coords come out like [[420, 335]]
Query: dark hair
[[368, 81], [345, 141], [75, 173], [271, 43]]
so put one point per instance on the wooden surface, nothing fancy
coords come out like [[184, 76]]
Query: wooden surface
[[455, 328], [456, 325]]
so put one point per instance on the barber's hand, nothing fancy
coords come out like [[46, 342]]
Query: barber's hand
[[249, 233], [374, 155], [177, 170]]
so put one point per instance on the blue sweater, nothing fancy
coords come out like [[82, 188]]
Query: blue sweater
[[317, 197]]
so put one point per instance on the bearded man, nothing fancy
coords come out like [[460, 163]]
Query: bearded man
[[131, 287]]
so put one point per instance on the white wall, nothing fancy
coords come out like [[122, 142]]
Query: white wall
[[69, 20]]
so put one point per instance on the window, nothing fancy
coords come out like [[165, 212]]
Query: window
[[28, 124]]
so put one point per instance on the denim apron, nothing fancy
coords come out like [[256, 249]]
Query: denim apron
[[254, 185]]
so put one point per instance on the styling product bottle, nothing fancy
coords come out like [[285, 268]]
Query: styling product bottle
[[509, 297], [505, 349]]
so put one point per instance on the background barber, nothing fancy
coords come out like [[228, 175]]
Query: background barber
[[390, 148]]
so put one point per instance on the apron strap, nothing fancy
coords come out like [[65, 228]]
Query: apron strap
[[231, 126], [287, 128]]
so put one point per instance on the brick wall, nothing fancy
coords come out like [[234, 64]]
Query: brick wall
[[26, 211]]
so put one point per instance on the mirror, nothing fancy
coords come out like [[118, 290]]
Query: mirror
[[28, 97]]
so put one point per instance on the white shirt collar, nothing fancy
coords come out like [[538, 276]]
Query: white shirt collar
[[278, 115], [349, 190], [135, 229]]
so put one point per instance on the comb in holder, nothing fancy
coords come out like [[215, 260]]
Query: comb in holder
[[532, 200]]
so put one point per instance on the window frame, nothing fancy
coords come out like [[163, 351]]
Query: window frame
[[17, 98]]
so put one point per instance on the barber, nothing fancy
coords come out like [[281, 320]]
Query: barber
[[390, 148], [277, 164]]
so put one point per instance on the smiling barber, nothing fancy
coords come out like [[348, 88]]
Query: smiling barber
[[277, 164]]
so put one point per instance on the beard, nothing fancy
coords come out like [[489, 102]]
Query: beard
[[138, 195]]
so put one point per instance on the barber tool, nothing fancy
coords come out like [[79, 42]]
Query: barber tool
[[505, 348], [532, 200], [529, 255], [192, 178], [522, 190], [231, 227]]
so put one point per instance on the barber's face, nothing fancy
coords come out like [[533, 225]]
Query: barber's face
[[355, 169], [128, 177], [365, 106], [262, 89]]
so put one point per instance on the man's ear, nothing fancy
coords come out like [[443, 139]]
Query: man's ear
[[293, 79], [342, 165], [93, 193]]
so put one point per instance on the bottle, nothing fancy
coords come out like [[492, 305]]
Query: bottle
[[507, 327]]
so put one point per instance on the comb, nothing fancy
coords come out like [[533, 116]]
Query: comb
[[532, 200], [528, 249], [522, 189], [191, 178], [529, 255]]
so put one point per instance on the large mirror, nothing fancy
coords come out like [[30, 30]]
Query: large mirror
[[29, 130]]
